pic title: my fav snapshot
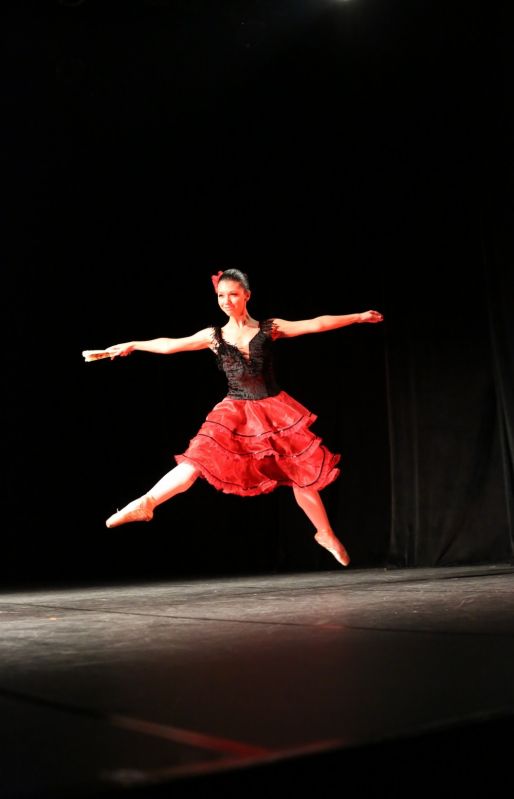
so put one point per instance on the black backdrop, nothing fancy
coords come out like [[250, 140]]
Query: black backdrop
[[347, 155]]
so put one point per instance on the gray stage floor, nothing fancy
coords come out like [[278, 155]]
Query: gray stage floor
[[190, 686]]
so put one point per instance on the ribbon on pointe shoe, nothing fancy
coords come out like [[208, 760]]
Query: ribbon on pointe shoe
[[139, 510], [333, 545]]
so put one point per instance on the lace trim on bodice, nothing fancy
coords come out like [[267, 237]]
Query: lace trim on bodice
[[249, 377], [267, 328]]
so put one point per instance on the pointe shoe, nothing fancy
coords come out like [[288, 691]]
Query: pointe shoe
[[140, 510], [328, 540]]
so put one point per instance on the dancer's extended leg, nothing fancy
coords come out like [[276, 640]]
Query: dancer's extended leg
[[177, 480], [312, 505]]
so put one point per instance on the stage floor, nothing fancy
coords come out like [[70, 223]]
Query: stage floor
[[235, 684]]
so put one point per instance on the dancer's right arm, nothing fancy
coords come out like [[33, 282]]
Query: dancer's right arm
[[165, 346]]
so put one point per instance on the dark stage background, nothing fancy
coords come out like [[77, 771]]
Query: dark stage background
[[346, 155]]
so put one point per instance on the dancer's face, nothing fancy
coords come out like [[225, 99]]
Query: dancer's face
[[232, 297]]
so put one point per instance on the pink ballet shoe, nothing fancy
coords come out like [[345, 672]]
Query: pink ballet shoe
[[328, 540], [140, 510]]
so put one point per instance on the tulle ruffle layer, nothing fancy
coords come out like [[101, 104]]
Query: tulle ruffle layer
[[251, 447]]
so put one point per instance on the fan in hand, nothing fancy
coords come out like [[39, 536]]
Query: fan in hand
[[96, 355]]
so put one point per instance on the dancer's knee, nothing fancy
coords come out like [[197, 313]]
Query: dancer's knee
[[304, 494], [188, 475]]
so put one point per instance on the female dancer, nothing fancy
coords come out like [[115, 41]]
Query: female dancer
[[258, 437]]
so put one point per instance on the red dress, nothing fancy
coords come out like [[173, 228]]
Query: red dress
[[258, 437]]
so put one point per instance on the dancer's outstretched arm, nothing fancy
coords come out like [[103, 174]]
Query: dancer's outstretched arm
[[165, 346], [320, 324]]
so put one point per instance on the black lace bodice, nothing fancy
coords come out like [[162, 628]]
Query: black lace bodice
[[248, 378]]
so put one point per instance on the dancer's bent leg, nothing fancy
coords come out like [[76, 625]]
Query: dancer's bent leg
[[177, 480], [312, 505]]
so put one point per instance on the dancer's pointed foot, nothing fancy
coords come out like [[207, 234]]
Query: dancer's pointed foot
[[328, 540], [140, 510]]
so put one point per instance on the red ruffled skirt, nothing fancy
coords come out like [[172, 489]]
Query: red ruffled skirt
[[250, 447]]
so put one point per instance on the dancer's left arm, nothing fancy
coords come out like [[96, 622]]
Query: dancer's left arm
[[319, 324]]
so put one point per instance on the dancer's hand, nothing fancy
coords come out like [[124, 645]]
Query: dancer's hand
[[371, 316], [120, 350]]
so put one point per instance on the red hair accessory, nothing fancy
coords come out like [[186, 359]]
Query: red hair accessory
[[215, 280]]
